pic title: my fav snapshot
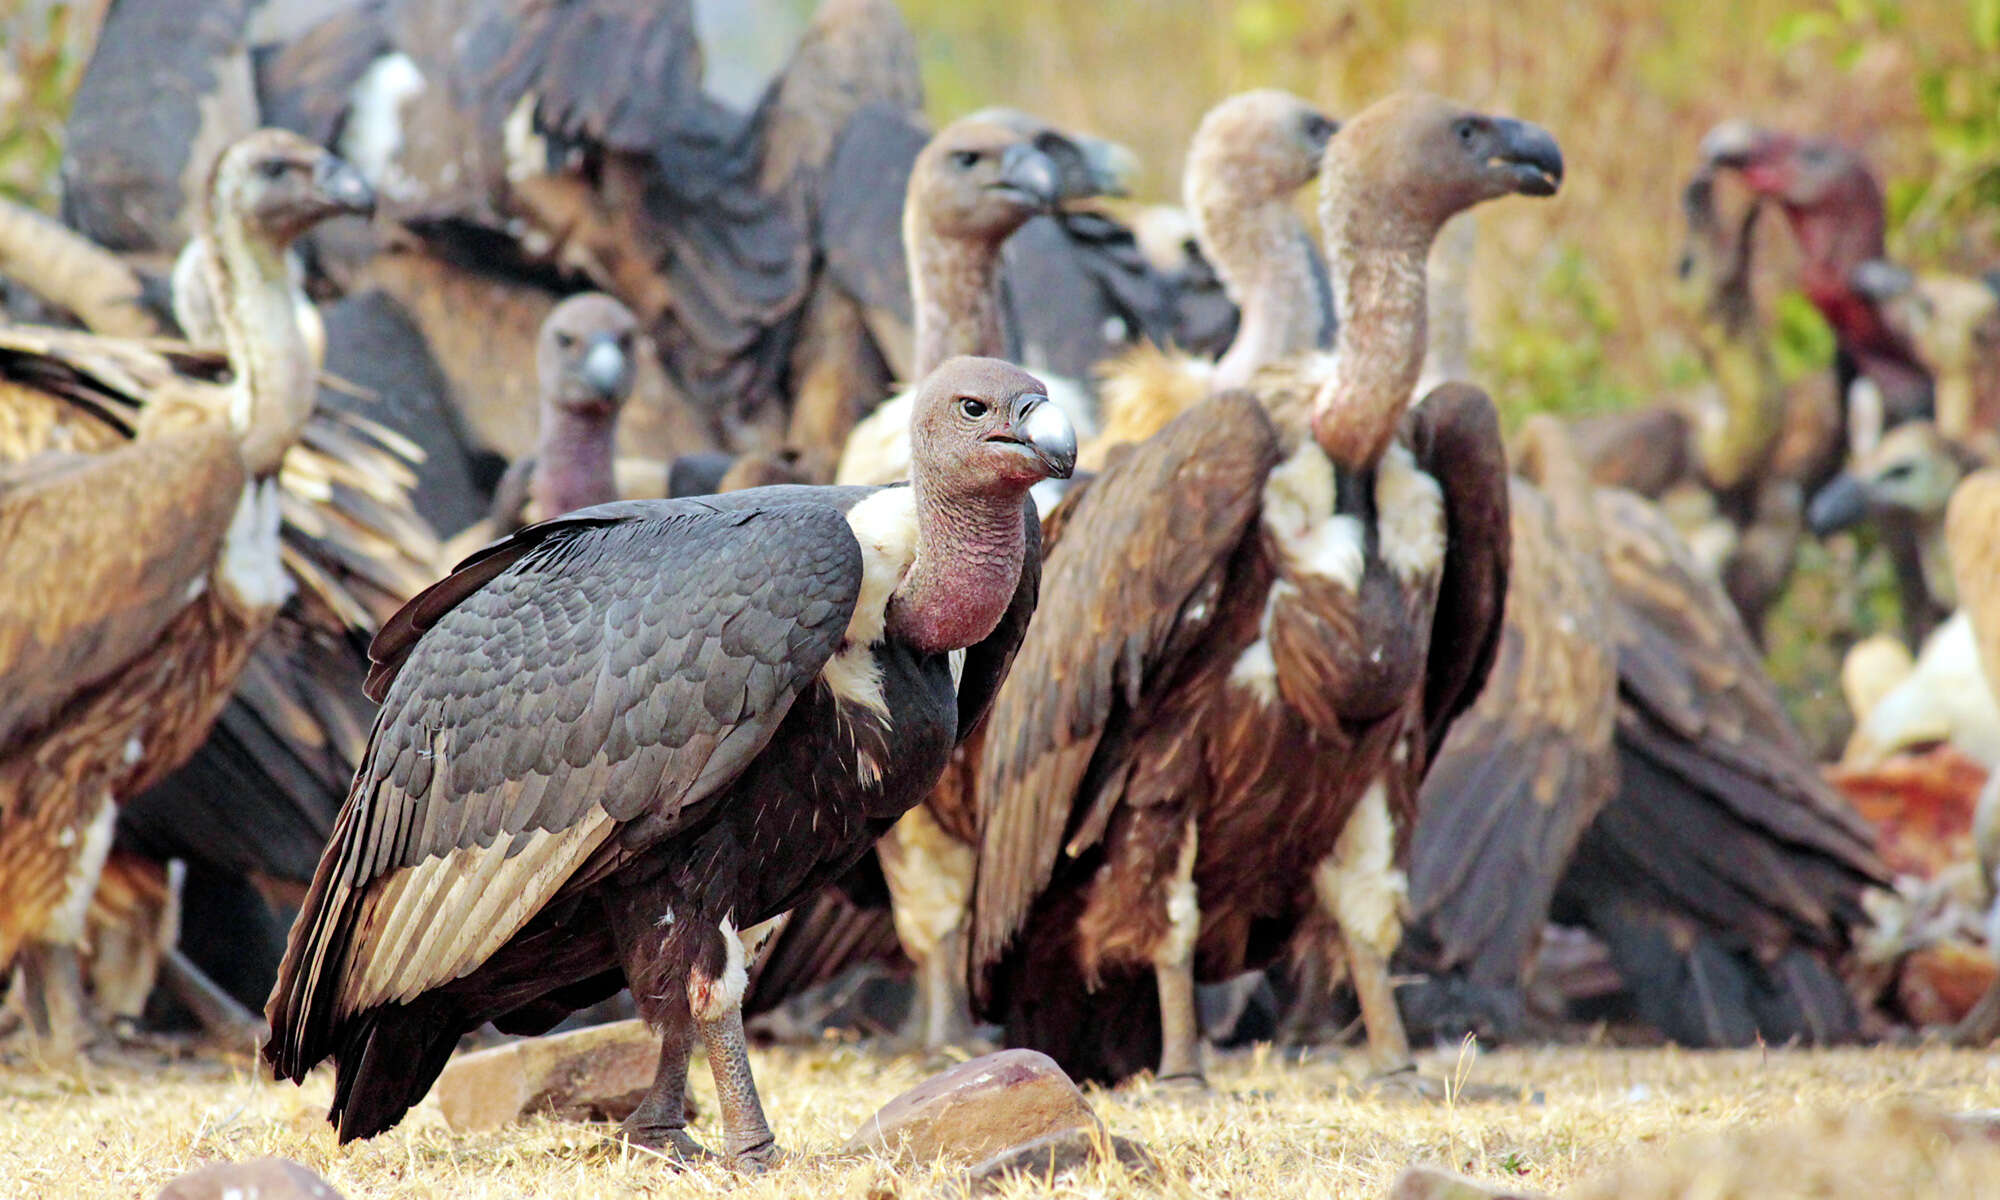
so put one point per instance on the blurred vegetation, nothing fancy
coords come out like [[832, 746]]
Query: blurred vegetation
[[43, 47]]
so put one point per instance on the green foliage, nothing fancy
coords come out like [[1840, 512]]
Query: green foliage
[[1556, 357], [42, 64], [1801, 340]]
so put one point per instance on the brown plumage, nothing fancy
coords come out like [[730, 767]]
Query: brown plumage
[[744, 690], [144, 558], [1256, 627], [1972, 531]]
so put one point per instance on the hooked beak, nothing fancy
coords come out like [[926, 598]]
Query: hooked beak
[[1878, 280], [1029, 177], [1043, 430], [341, 188], [1732, 144], [1841, 504], [604, 369], [1529, 155], [1089, 166]]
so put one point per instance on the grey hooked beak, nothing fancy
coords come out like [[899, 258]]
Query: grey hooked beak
[[1878, 279], [1533, 161], [1030, 176], [1841, 504], [1732, 144], [342, 188], [1089, 166], [1044, 429], [604, 368]]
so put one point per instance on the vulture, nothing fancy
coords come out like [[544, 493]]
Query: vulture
[[1835, 208], [1248, 159], [584, 359], [1256, 626], [144, 552], [1953, 324], [1629, 770], [1903, 481], [614, 744]]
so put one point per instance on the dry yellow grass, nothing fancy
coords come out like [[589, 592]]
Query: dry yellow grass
[[1278, 1130]]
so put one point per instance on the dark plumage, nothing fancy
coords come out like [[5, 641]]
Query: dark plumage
[[1257, 626], [614, 739]]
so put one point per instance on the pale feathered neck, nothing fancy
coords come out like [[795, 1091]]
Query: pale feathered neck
[[1259, 252], [955, 294], [273, 375]]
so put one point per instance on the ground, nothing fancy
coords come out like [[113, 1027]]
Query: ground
[[1279, 1129]]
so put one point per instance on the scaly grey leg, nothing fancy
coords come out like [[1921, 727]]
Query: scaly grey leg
[[660, 1121], [746, 1134]]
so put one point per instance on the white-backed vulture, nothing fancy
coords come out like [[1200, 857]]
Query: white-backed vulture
[[1256, 627], [142, 571], [612, 741]]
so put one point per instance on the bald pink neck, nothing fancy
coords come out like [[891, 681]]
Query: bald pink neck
[[1380, 300], [970, 550], [955, 287], [1260, 254], [573, 461]]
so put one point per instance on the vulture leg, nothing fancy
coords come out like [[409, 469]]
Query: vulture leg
[[929, 874], [746, 1135], [1173, 969], [52, 996], [942, 1006], [660, 1121], [1360, 887]]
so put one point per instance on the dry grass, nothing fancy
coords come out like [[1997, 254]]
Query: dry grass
[[1280, 1129]]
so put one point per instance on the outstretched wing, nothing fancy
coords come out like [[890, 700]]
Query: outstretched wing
[[607, 671], [1127, 592]]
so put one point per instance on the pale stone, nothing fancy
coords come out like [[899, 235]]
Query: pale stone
[[258, 1179], [978, 1109]]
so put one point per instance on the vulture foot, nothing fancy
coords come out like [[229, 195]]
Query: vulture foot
[[669, 1141], [1408, 1083], [59, 1024], [1181, 1090]]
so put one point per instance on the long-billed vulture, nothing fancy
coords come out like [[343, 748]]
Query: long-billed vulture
[[144, 556], [1247, 161], [613, 741], [1257, 625]]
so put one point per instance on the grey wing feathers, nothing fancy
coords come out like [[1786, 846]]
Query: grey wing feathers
[[617, 666], [1147, 535]]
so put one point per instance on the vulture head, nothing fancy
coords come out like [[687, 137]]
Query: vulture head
[[1408, 163], [1952, 323], [1912, 470], [1391, 177], [277, 185], [1086, 166], [1800, 173], [983, 426], [1254, 148], [584, 355], [979, 180], [982, 433]]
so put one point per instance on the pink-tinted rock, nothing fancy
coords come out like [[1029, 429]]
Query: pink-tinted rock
[[977, 1110], [1057, 1154], [259, 1179], [599, 1073]]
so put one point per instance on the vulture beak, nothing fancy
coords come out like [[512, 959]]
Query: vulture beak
[[1043, 430], [1841, 504], [604, 369], [1529, 155], [1108, 169], [1878, 279], [1029, 177], [341, 188]]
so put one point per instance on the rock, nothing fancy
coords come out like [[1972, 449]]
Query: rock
[[1435, 1183], [595, 1074], [258, 1179], [1055, 1153], [977, 1110]]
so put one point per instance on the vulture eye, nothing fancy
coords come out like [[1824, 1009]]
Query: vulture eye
[[565, 341], [1466, 131], [273, 168], [1899, 472], [973, 409], [965, 160], [1318, 128]]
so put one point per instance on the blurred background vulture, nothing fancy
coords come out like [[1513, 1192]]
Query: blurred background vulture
[[1282, 675], [125, 638]]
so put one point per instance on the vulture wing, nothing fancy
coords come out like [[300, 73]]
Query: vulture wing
[[608, 671], [97, 565], [1132, 587], [1455, 436], [1527, 768]]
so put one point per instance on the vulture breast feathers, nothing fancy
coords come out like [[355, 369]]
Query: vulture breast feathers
[[639, 678]]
